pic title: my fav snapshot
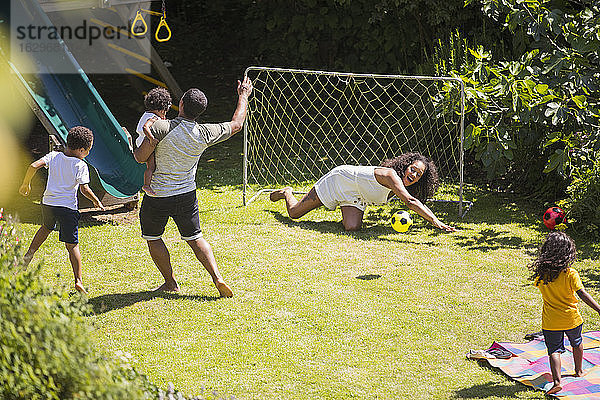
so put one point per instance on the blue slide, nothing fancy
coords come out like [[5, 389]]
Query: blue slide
[[69, 99]]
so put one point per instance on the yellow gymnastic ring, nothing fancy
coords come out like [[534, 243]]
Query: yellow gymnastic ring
[[138, 17], [162, 23]]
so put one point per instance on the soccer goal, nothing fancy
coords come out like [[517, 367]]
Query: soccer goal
[[303, 123]]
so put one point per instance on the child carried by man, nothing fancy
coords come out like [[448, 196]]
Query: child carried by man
[[157, 102]]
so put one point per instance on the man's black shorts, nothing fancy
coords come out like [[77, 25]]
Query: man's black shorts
[[67, 219], [183, 208]]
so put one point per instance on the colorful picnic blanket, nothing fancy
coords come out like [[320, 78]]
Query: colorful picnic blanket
[[530, 366]]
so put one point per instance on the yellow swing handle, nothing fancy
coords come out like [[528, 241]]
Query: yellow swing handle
[[161, 24], [139, 18]]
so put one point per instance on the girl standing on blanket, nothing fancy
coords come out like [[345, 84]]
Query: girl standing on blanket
[[558, 283]]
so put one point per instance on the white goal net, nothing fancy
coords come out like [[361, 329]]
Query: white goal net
[[301, 124]]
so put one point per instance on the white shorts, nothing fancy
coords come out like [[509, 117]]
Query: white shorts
[[337, 188]]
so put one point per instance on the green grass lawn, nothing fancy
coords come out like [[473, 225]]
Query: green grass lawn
[[319, 313]]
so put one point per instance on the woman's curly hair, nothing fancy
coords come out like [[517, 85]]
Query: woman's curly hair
[[157, 99], [556, 254], [426, 186]]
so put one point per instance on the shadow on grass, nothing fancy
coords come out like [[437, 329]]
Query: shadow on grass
[[590, 277], [368, 231], [368, 277], [504, 208], [116, 301], [375, 223], [491, 389], [376, 226], [490, 239], [586, 249], [509, 388], [321, 226]]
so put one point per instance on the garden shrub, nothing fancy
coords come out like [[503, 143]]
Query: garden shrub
[[583, 204], [46, 351], [533, 116]]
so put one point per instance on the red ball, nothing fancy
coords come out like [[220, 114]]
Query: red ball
[[553, 216]]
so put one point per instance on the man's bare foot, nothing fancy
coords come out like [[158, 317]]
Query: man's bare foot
[[223, 289], [580, 373], [554, 389], [79, 287], [148, 190], [167, 288], [279, 194]]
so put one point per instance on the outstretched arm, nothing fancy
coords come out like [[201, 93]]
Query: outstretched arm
[[589, 300], [25, 188], [87, 192], [390, 179], [239, 116]]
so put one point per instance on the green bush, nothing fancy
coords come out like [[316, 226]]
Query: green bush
[[584, 198], [46, 353], [45, 350], [533, 112]]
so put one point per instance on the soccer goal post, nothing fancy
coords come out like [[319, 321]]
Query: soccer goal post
[[302, 123]]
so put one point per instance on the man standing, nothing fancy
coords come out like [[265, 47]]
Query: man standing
[[177, 147]]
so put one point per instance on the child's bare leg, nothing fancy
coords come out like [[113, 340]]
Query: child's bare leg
[[295, 208], [578, 359], [75, 258], [40, 237], [555, 368], [150, 167]]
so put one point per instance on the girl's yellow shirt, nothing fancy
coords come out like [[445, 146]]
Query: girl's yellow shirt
[[560, 311]]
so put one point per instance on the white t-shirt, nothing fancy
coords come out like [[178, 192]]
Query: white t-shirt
[[140, 127], [65, 174]]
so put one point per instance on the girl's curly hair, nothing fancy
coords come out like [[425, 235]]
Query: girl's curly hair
[[426, 186], [556, 254], [157, 99]]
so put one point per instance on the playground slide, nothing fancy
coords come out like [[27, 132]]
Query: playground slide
[[70, 99]]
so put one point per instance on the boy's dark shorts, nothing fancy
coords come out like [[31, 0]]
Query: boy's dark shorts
[[183, 208], [67, 220], [555, 340]]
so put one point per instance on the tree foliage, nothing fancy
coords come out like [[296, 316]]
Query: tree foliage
[[543, 104], [583, 201], [383, 36]]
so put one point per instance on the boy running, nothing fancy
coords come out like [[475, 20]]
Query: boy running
[[66, 173]]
